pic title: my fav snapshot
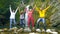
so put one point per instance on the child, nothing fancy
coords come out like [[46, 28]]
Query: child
[[30, 17], [22, 19], [12, 16], [26, 16]]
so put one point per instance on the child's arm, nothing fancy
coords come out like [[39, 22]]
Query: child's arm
[[27, 8], [16, 9], [33, 8], [37, 8], [10, 9], [47, 8]]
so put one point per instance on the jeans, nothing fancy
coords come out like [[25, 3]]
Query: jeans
[[22, 23], [39, 21], [11, 21]]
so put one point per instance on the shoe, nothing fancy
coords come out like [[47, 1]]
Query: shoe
[[38, 30], [54, 32], [10, 29], [48, 30], [1, 30], [29, 30], [14, 27], [25, 30]]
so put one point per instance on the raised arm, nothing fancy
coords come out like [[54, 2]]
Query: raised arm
[[37, 8], [10, 9], [27, 7], [16, 9], [33, 8], [47, 8]]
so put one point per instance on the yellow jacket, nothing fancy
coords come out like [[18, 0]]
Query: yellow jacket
[[42, 12]]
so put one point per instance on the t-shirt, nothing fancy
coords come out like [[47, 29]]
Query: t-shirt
[[22, 16], [12, 16], [30, 14], [42, 13]]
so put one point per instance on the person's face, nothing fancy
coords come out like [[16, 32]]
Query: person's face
[[41, 9], [13, 10], [30, 9]]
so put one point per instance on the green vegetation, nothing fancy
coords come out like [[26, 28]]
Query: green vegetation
[[52, 12]]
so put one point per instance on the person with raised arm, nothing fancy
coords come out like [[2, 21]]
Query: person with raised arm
[[22, 24], [42, 13], [26, 16], [12, 16], [30, 17]]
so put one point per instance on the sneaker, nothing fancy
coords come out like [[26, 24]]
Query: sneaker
[[25, 29], [14, 27], [1, 30], [10, 29], [29, 30], [54, 32], [48, 30], [38, 30]]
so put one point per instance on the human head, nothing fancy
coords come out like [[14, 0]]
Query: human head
[[41, 8], [30, 8], [13, 10], [22, 12]]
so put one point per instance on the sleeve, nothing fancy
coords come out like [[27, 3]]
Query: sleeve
[[47, 8], [10, 9], [37, 9]]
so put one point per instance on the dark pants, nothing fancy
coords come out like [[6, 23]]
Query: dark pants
[[22, 23], [38, 23]]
